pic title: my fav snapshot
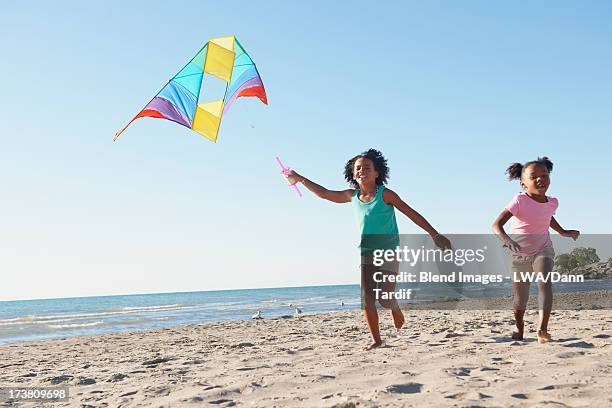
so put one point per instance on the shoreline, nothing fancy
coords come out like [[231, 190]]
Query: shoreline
[[441, 358], [587, 300]]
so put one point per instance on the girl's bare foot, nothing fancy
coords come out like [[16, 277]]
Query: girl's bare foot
[[398, 318], [544, 337], [372, 345], [518, 335]]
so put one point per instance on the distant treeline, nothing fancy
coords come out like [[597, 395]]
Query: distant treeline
[[578, 257]]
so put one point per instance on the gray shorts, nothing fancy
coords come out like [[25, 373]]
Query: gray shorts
[[368, 284], [522, 263]]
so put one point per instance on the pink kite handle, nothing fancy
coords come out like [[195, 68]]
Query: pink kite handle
[[297, 190], [285, 170]]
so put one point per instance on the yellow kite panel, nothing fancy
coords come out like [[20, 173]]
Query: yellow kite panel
[[219, 61], [225, 42], [207, 119]]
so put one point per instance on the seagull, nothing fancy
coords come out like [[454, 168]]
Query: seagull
[[298, 312], [257, 315]]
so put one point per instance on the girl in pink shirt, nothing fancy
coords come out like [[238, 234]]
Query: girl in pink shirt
[[530, 243]]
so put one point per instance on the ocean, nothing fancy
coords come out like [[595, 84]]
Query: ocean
[[30, 320]]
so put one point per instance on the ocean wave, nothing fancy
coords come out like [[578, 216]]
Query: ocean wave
[[157, 307], [33, 319], [75, 325], [11, 319], [17, 320]]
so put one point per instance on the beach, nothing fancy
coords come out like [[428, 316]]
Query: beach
[[440, 358]]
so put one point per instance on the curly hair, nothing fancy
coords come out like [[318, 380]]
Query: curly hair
[[515, 170], [380, 165]]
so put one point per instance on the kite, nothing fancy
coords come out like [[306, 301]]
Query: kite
[[223, 58]]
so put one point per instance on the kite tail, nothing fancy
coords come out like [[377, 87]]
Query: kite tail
[[120, 131], [143, 113]]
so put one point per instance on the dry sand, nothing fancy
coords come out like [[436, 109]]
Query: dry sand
[[442, 358]]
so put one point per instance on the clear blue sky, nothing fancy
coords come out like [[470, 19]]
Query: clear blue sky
[[451, 92]]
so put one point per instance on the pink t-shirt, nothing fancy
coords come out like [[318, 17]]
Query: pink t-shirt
[[531, 222]]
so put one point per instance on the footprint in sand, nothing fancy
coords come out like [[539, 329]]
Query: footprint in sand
[[117, 377], [160, 391], [349, 404], [189, 362], [565, 340], [222, 401], [580, 344], [250, 388], [195, 399], [156, 361], [59, 379], [455, 396], [251, 368], [570, 354], [489, 369], [560, 386], [408, 388], [242, 345], [460, 371]]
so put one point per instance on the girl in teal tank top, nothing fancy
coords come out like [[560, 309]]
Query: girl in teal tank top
[[376, 221], [374, 207]]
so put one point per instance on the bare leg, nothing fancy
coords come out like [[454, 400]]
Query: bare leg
[[398, 318], [545, 298], [396, 312], [369, 302], [521, 296], [520, 325], [371, 316]]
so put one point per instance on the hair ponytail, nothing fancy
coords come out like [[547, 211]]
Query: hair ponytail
[[544, 161], [514, 171]]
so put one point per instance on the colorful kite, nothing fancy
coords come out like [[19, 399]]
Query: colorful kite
[[221, 57]]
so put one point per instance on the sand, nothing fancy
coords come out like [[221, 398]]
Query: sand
[[441, 358]]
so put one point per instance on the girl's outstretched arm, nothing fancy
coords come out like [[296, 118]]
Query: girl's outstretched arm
[[390, 197], [343, 196], [498, 229], [574, 234]]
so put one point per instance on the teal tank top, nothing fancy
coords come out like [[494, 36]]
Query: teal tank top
[[377, 224]]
